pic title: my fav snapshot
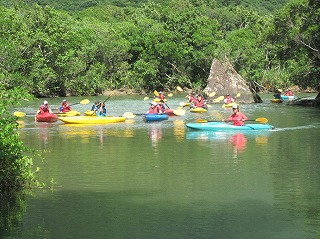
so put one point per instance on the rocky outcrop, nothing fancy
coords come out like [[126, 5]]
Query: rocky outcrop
[[223, 79]]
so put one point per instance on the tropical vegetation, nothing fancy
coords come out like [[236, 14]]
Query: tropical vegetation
[[15, 164], [155, 45]]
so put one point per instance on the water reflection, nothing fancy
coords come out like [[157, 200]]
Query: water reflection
[[101, 131], [155, 133], [44, 134], [238, 140], [179, 130]]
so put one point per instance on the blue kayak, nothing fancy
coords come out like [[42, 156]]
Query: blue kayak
[[155, 117], [287, 97], [220, 126]]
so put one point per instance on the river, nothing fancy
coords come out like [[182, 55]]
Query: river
[[161, 180]]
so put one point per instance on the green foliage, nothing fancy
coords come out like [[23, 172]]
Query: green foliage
[[15, 165], [156, 44]]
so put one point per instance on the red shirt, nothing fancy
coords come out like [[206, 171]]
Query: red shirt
[[237, 118], [153, 110]]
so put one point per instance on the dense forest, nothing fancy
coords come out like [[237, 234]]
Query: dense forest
[[85, 47]]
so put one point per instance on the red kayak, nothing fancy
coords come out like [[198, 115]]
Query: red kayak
[[47, 117], [169, 112]]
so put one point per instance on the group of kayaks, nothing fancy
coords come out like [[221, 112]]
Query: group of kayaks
[[211, 126], [90, 117], [74, 117]]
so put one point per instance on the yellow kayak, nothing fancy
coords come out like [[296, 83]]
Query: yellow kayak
[[90, 113], [229, 105], [91, 120], [69, 113], [276, 100], [198, 110]]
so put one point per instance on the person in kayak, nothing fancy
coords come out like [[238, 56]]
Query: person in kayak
[[95, 106], [161, 96], [289, 93], [192, 97], [161, 106], [199, 102], [228, 99], [44, 108], [237, 117], [154, 109], [65, 107], [102, 111], [277, 94]]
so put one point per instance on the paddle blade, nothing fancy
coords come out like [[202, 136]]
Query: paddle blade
[[238, 95], [129, 115], [19, 114], [212, 94], [156, 93], [179, 112], [179, 89], [262, 120], [209, 106], [170, 94], [146, 98], [218, 99], [201, 121], [85, 101]]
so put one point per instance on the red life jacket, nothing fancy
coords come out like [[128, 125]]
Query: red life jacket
[[153, 110], [161, 96], [192, 98], [199, 103], [237, 119], [44, 109]]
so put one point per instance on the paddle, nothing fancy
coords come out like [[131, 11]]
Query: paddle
[[180, 89], [82, 102], [212, 94], [146, 98], [216, 100], [260, 120], [179, 112], [130, 115]]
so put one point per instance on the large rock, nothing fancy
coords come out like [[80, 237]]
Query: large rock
[[223, 79]]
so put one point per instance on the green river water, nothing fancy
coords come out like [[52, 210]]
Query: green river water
[[161, 180]]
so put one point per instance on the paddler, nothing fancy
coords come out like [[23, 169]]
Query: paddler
[[277, 94], [154, 109], [161, 106], [237, 117], [65, 107], [102, 111], [44, 108], [161, 96], [228, 99], [95, 106], [199, 102], [191, 97]]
